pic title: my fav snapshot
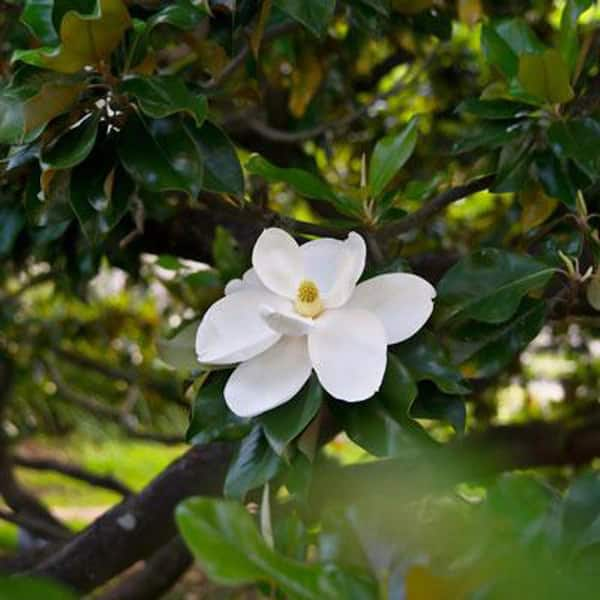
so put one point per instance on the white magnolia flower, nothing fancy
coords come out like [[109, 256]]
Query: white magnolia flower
[[300, 309]]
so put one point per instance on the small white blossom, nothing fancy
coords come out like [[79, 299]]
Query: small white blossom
[[299, 308]]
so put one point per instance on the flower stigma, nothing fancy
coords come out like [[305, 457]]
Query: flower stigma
[[308, 301]]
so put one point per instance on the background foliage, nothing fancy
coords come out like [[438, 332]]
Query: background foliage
[[145, 144]]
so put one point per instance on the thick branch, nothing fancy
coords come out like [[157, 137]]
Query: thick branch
[[140, 525], [156, 577]]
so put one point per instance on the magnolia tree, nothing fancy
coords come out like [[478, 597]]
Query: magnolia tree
[[347, 252]]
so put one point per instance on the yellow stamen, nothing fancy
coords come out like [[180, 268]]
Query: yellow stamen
[[308, 302]]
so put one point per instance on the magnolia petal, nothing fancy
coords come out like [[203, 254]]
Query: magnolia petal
[[278, 262], [269, 379], [286, 323], [403, 302], [250, 281], [232, 329], [335, 266], [348, 351]]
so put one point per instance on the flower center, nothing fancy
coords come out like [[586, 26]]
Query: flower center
[[308, 302]]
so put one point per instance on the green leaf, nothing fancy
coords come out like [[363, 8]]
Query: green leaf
[[581, 507], [160, 155], [372, 427], [179, 351], [513, 165], [160, 96], [29, 104], [495, 109], [488, 286], [519, 500], [555, 178], [568, 43], [519, 36], [37, 15], [426, 358], [228, 259], [497, 52], [302, 182], [211, 419], [398, 390], [74, 146], [100, 194], [226, 542], [546, 76], [486, 349], [313, 14], [12, 221], [222, 169], [254, 464], [435, 405], [577, 139], [285, 423], [389, 155], [24, 588], [86, 40], [181, 14]]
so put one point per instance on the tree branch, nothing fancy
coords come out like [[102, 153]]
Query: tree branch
[[140, 525], [74, 471], [435, 205], [159, 573]]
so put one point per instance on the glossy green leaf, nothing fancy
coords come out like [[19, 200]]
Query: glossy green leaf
[[519, 500], [581, 507], [164, 95], [382, 7], [100, 195], [226, 542], [27, 105], [486, 349], [568, 43], [254, 464], [546, 76], [488, 286], [25, 588], [74, 146], [313, 14], [211, 419], [426, 359], [179, 351], [513, 165], [38, 16], [389, 156], [555, 178], [577, 139], [304, 183], [497, 52], [160, 155], [372, 427], [181, 14], [285, 423], [519, 36], [222, 169], [435, 405], [12, 221], [86, 39], [398, 390]]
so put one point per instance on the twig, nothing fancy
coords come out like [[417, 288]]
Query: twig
[[435, 205], [74, 471], [35, 526], [240, 57]]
